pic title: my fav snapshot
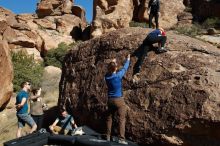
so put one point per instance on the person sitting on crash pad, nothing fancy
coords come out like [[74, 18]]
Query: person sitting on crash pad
[[65, 122], [156, 36]]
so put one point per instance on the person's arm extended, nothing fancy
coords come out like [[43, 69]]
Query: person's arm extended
[[54, 124], [34, 97], [37, 95], [122, 71]]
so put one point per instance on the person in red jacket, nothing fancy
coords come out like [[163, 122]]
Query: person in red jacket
[[156, 36]]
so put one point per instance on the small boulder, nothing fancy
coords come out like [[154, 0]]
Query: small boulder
[[211, 31]]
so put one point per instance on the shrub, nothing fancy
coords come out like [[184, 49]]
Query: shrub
[[188, 9], [54, 57], [26, 69], [138, 24], [211, 22], [192, 31]]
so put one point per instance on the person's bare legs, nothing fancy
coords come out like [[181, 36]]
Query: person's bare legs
[[33, 128], [19, 132]]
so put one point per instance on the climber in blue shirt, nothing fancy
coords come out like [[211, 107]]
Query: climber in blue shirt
[[116, 103], [114, 79]]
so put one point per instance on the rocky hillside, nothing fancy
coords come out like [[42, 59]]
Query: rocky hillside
[[174, 101], [54, 22]]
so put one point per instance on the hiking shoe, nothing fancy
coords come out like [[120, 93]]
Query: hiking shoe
[[122, 141], [161, 50]]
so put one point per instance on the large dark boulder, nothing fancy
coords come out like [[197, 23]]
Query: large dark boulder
[[175, 102]]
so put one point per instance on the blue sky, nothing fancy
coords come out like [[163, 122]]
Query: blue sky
[[29, 6]]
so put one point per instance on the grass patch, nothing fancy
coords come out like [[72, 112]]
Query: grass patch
[[138, 24], [199, 28], [188, 9], [192, 31]]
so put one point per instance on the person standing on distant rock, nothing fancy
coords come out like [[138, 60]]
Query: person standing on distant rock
[[22, 109], [156, 36], [154, 12], [36, 107], [116, 103]]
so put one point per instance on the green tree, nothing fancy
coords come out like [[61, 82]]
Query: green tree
[[138, 24], [26, 69], [54, 57]]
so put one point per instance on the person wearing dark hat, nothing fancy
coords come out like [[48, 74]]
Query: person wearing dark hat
[[154, 12]]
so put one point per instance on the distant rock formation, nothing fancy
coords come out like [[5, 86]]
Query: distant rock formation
[[169, 11], [80, 12], [54, 7], [174, 102], [6, 71], [34, 35], [185, 18], [110, 15]]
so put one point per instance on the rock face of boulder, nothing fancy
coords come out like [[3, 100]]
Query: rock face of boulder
[[6, 70], [206, 8], [174, 102], [110, 15], [50, 84], [185, 18], [80, 12]]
